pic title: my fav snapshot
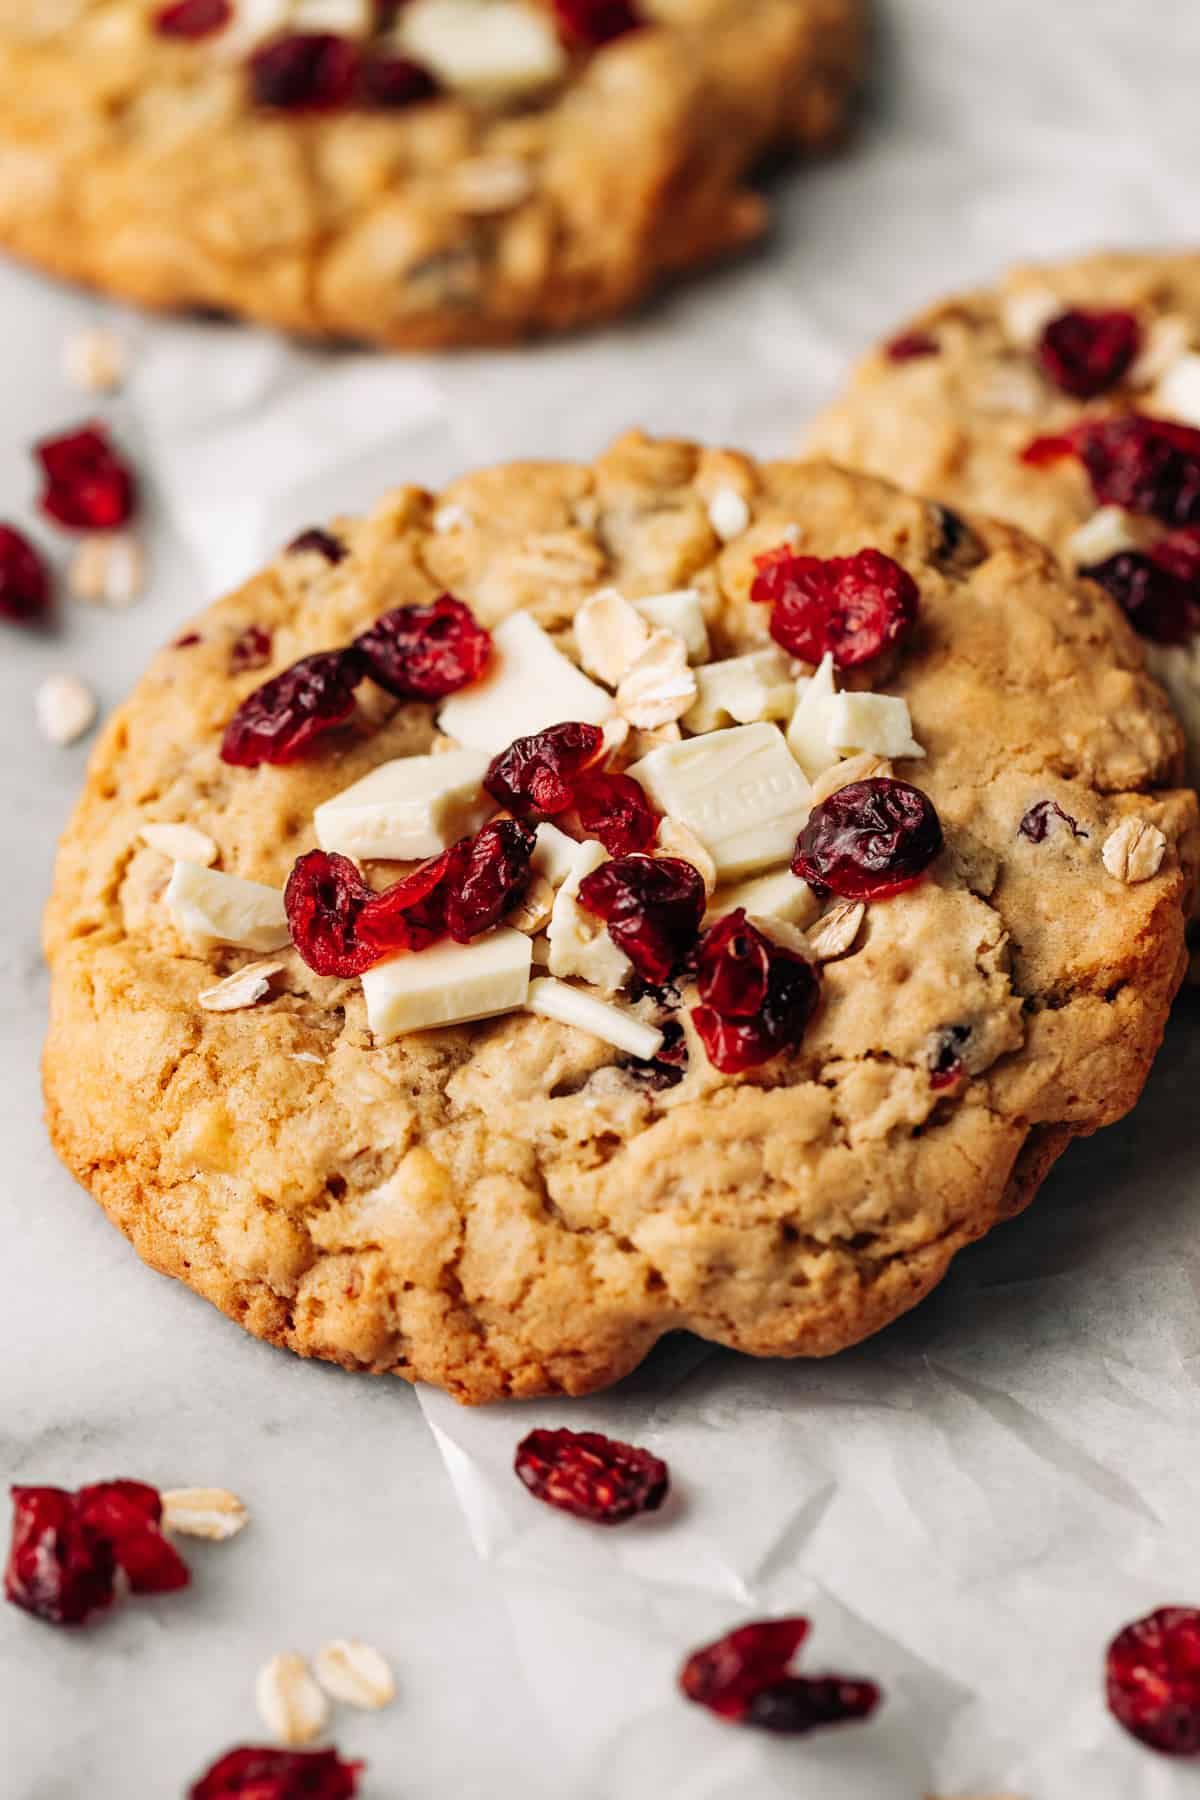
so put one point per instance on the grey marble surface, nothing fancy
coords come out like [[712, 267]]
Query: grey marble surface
[[994, 1485]]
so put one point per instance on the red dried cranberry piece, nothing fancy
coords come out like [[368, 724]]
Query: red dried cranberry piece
[[1147, 465], [668, 1068], [854, 606], [426, 652], [1179, 553], [24, 579], [614, 809], [539, 774], [803, 1703], [305, 71], [944, 1055], [592, 1476], [1153, 1679], [193, 18], [1040, 452], [322, 543], [869, 840], [1156, 602], [1037, 821], [127, 1515], [744, 1677], [252, 1772], [585, 23], [280, 719], [251, 649], [758, 997], [489, 872], [59, 1568], [188, 641], [911, 345], [411, 914], [733, 967], [390, 83], [88, 487], [1086, 353], [652, 907], [324, 900]]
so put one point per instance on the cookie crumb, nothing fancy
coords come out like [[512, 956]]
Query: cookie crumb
[[93, 360], [290, 1704], [66, 708], [182, 843], [1134, 851]]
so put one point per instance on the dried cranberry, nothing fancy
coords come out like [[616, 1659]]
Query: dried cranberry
[[1147, 465], [744, 1677], [585, 23], [127, 1515], [305, 71], [854, 606], [1153, 1679], [390, 83], [251, 649], [256, 1773], [911, 345], [592, 1476], [539, 774], [1040, 452], [869, 840], [324, 899], [411, 914], [59, 1568], [1037, 821], [614, 810], [733, 967], [280, 719], [1179, 553], [1156, 601], [426, 652], [944, 1055], [489, 872], [668, 1068], [1086, 353], [88, 487], [24, 579], [188, 641], [758, 997], [193, 18], [322, 543], [652, 907]]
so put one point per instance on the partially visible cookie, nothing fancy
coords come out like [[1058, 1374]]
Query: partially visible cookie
[[1035, 400], [912, 786], [429, 173]]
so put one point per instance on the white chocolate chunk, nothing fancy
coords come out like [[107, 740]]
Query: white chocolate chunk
[[449, 984], [611, 635], [182, 843], [579, 941], [1179, 390], [211, 908], [808, 733], [529, 685], [614, 1024], [876, 722], [409, 808], [554, 854], [1027, 312], [65, 708], [252, 21], [728, 514], [682, 612], [1163, 340], [502, 48], [780, 895], [452, 518], [740, 791], [742, 690], [346, 18], [1107, 533]]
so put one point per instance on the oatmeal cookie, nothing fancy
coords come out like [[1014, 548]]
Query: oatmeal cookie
[[434, 173], [402, 1044]]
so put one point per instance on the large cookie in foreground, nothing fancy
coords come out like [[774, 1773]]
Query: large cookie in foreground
[[1066, 399], [432, 173], [526, 1203]]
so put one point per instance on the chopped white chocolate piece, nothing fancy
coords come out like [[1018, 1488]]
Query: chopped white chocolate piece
[[1027, 312], [452, 518], [674, 838], [529, 685], [1163, 340], [65, 708], [1107, 533], [245, 988], [682, 612], [554, 854], [449, 984], [504, 48], [211, 908], [409, 808], [252, 21], [1134, 851], [660, 686], [94, 360], [290, 1703], [1179, 390], [182, 843], [579, 941], [740, 791], [808, 733], [346, 18], [780, 895], [614, 1024], [876, 722], [741, 690], [728, 514], [611, 635]]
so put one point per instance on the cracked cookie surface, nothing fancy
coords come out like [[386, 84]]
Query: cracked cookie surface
[[141, 165], [504, 1208]]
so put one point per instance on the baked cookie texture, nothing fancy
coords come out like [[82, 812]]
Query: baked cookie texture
[[953, 424], [139, 165], [504, 1209]]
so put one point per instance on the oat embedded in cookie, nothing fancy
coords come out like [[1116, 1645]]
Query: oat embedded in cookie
[[445, 172], [525, 1203]]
